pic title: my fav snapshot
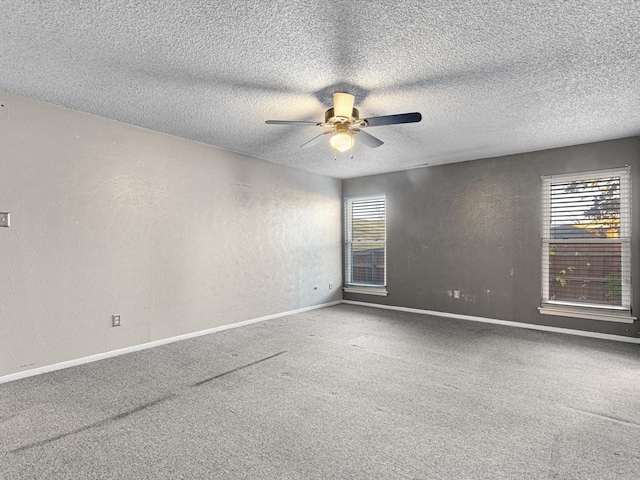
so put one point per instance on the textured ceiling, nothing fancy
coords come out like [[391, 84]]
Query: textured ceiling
[[489, 77]]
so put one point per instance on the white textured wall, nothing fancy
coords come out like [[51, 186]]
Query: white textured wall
[[173, 235]]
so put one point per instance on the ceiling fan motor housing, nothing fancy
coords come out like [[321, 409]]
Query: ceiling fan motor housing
[[331, 119]]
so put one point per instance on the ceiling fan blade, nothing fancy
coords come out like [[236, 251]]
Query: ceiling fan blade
[[392, 119], [343, 104], [369, 140], [289, 122], [315, 140]]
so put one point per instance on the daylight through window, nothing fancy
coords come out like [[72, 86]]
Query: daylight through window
[[365, 241], [586, 236]]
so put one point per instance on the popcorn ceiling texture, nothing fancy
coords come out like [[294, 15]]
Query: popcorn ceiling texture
[[490, 78]]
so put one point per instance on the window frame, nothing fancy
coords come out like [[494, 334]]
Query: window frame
[[349, 285], [578, 309]]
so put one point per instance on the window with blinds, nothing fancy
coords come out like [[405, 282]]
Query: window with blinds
[[586, 240], [365, 241]]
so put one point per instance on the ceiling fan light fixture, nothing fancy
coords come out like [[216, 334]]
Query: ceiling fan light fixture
[[342, 141]]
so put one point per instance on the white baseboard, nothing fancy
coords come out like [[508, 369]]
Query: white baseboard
[[530, 326], [164, 341], [156, 343]]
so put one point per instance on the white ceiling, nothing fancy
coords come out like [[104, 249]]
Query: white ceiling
[[489, 77]]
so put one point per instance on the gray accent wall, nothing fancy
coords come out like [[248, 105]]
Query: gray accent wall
[[173, 235], [475, 227]]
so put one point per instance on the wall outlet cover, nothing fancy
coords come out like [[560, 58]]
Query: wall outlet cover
[[115, 320], [5, 219]]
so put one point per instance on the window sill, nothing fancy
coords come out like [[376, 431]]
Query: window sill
[[366, 289], [591, 313]]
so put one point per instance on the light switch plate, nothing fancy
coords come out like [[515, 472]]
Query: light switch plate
[[4, 219]]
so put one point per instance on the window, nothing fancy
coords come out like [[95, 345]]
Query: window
[[365, 245], [586, 245]]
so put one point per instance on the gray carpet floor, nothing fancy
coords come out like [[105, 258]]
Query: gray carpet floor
[[345, 392]]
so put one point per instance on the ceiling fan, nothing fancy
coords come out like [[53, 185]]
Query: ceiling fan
[[344, 123]]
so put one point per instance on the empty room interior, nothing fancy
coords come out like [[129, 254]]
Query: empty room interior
[[319, 240]]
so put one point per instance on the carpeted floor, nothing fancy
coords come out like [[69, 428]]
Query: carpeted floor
[[345, 392]]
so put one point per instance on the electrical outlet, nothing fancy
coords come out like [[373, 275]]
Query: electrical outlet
[[4, 219], [330, 285], [456, 294], [115, 320]]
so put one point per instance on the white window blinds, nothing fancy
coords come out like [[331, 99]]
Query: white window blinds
[[365, 240], [586, 239]]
